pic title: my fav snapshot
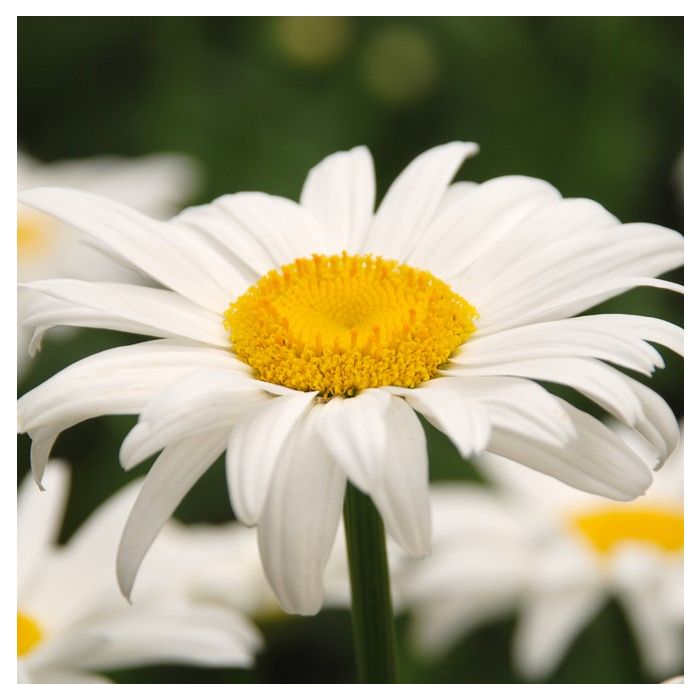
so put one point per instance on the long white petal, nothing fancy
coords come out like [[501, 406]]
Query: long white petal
[[254, 447], [585, 336], [354, 431], [402, 496], [174, 256], [300, 518], [476, 221], [465, 421], [117, 381], [39, 516], [340, 191], [265, 231], [413, 199], [172, 475], [595, 460], [173, 632], [200, 401], [138, 309]]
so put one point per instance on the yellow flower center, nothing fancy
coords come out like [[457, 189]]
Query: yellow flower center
[[660, 526], [28, 634], [34, 234], [337, 324]]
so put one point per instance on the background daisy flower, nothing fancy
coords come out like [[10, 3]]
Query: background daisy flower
[[303, 339], [71, 620], [557, 555], [156, 185]]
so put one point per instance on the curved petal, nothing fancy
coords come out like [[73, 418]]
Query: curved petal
[[116, 381], [200, 401], [465, 421], [354, 431], [172, 475], [174, 256], [339, 191], [584, 336], [254, 447], [265, 231], [137, 309], [413, 199], [402, 496], [300, 518], [595, 460], [461, 233], [39, 517]]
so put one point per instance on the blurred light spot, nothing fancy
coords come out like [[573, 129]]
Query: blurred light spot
[[28, 634], [400, 65], [608, 528], [313, 41], [34, 235]]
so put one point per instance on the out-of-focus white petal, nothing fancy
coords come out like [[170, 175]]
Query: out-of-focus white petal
[[198, 402], [254, 446], [173, 632], [135, 309], [39, 516], [300, 518], [339, 191], [413, 199], [172, 475]]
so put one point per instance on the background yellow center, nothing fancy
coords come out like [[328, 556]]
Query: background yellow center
[[28, 634], [337, 324]]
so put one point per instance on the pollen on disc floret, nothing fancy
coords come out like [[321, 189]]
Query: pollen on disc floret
[[340, 323]]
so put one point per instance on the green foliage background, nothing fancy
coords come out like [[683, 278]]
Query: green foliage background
[[594, 105]]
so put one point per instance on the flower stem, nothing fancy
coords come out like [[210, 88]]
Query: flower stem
[[372, 614]]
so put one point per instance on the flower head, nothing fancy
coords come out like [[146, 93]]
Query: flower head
[[71, 620], [557, 555], [303, 339]]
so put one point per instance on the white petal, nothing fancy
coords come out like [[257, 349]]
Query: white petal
[[298, 524], [465, 421], [402, 497], [515, 404], [476, 221], [174, 256], [265, 231], [584, 336], [596, 460], [136, 309], [413, 199], [562, 266], [254, 448], [116, 381], [599, 382], [354, 431], [200, 401], [339, 191], [174, 632], [172, 475], [570, 304], [549, 623], [39, 516]]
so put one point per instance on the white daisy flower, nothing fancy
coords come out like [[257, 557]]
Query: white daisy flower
[[303, 339], [557, 555], [156, 185], [72, 620]]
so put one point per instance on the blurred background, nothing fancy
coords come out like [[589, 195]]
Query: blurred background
[[593, 105]]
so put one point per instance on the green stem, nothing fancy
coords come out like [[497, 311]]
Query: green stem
[[372, 614]]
